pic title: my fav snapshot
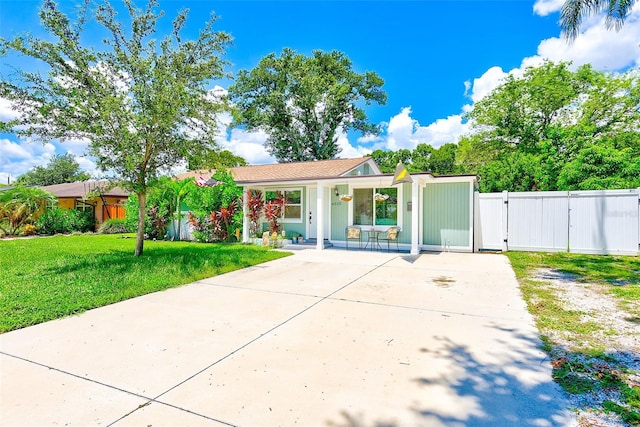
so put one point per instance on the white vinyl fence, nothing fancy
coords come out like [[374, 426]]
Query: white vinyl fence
[[589, 222]]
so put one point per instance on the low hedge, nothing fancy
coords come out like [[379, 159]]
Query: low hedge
[[65, 221]]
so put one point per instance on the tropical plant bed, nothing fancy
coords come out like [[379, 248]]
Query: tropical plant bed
[[46, 279], [587, 308]]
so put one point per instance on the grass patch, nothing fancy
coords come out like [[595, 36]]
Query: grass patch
[[620, 273], [48, 278], [580, 364]]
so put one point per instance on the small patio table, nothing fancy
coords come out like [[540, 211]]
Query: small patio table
[[372, 238]]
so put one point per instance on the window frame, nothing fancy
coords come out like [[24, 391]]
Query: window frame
[[372, 188], [284, 190]]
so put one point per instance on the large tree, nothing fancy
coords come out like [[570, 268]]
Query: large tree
[[574, 11], [60, 169], [143, 103], [302, 103], [553, 127]]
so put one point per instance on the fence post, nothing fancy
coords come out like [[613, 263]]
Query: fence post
[[505, 220]]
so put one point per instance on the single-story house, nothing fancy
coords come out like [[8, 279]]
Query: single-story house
[[106, 202], [433, 212]]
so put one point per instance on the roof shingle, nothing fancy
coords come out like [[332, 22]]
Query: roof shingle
[[286, 171]]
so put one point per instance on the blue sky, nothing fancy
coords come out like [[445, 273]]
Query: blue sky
[[437, 58]]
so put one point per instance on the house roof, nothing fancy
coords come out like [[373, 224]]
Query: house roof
[[319, 169], [80, 189]]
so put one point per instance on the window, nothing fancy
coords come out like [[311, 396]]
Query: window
[[82, 205], [375, 206], [293, 205]]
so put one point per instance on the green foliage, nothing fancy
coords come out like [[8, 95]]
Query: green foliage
[[556, 129], [216, 160], [60, 169], [67, 275], [114, 226], [161, 196], [629, 416], [65, 221], [301, 102], [204, 200], [601, 167], [219, 225], [143, 103], [156, 224], [21, 206], [424, 158]]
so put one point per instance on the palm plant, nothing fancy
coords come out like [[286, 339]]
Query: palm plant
[[21, 206], [574, 11]]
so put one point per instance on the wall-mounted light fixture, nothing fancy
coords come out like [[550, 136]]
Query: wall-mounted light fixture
[[335, 191]]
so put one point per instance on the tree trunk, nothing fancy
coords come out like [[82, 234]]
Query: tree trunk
[[142, 201]]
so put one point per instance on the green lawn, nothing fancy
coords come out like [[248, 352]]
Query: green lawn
[[621, 274], [581, 363], [48, 278]]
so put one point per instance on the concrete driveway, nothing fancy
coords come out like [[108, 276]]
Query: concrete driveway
[[325, 338]]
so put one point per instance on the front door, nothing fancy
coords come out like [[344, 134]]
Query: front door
[[312, 213], [312, 231]]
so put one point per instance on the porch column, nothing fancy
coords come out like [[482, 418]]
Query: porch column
[[415, 218], [319, 213], [245, 219]]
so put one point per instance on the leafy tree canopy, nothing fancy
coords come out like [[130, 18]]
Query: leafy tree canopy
[[556, 129], [141, 100], [424, 158], [302, 103], [216, 160], [60, 169]]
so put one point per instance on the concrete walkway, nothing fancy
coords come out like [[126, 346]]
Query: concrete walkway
[[325, 338]]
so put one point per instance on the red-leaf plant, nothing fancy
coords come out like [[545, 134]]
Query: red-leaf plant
[[273, 210], [221, 220], [255, 205]]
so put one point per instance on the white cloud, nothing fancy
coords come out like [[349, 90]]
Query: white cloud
[[18, 157], [7, 113], [605, 49], [248, 145], [546, 7], [403, 131], [484, 84], [350, 151], [77, 147]]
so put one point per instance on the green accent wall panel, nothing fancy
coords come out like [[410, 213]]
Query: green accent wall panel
[[339, 213], [447, 213], [405, 233]]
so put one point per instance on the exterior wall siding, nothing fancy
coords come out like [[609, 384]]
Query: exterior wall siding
[[405, 233], [339, 213], [447, 212]]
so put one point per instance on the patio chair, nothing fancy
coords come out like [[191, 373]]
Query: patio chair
[[390, 236], [353, 232]]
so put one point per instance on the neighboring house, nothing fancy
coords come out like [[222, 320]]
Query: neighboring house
[[105, 202], [434, 213]]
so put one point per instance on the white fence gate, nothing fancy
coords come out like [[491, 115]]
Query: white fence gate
[[590, 222]]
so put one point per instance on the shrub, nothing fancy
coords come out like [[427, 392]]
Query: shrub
[[29, 230], [114, 226], [56, 220]]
